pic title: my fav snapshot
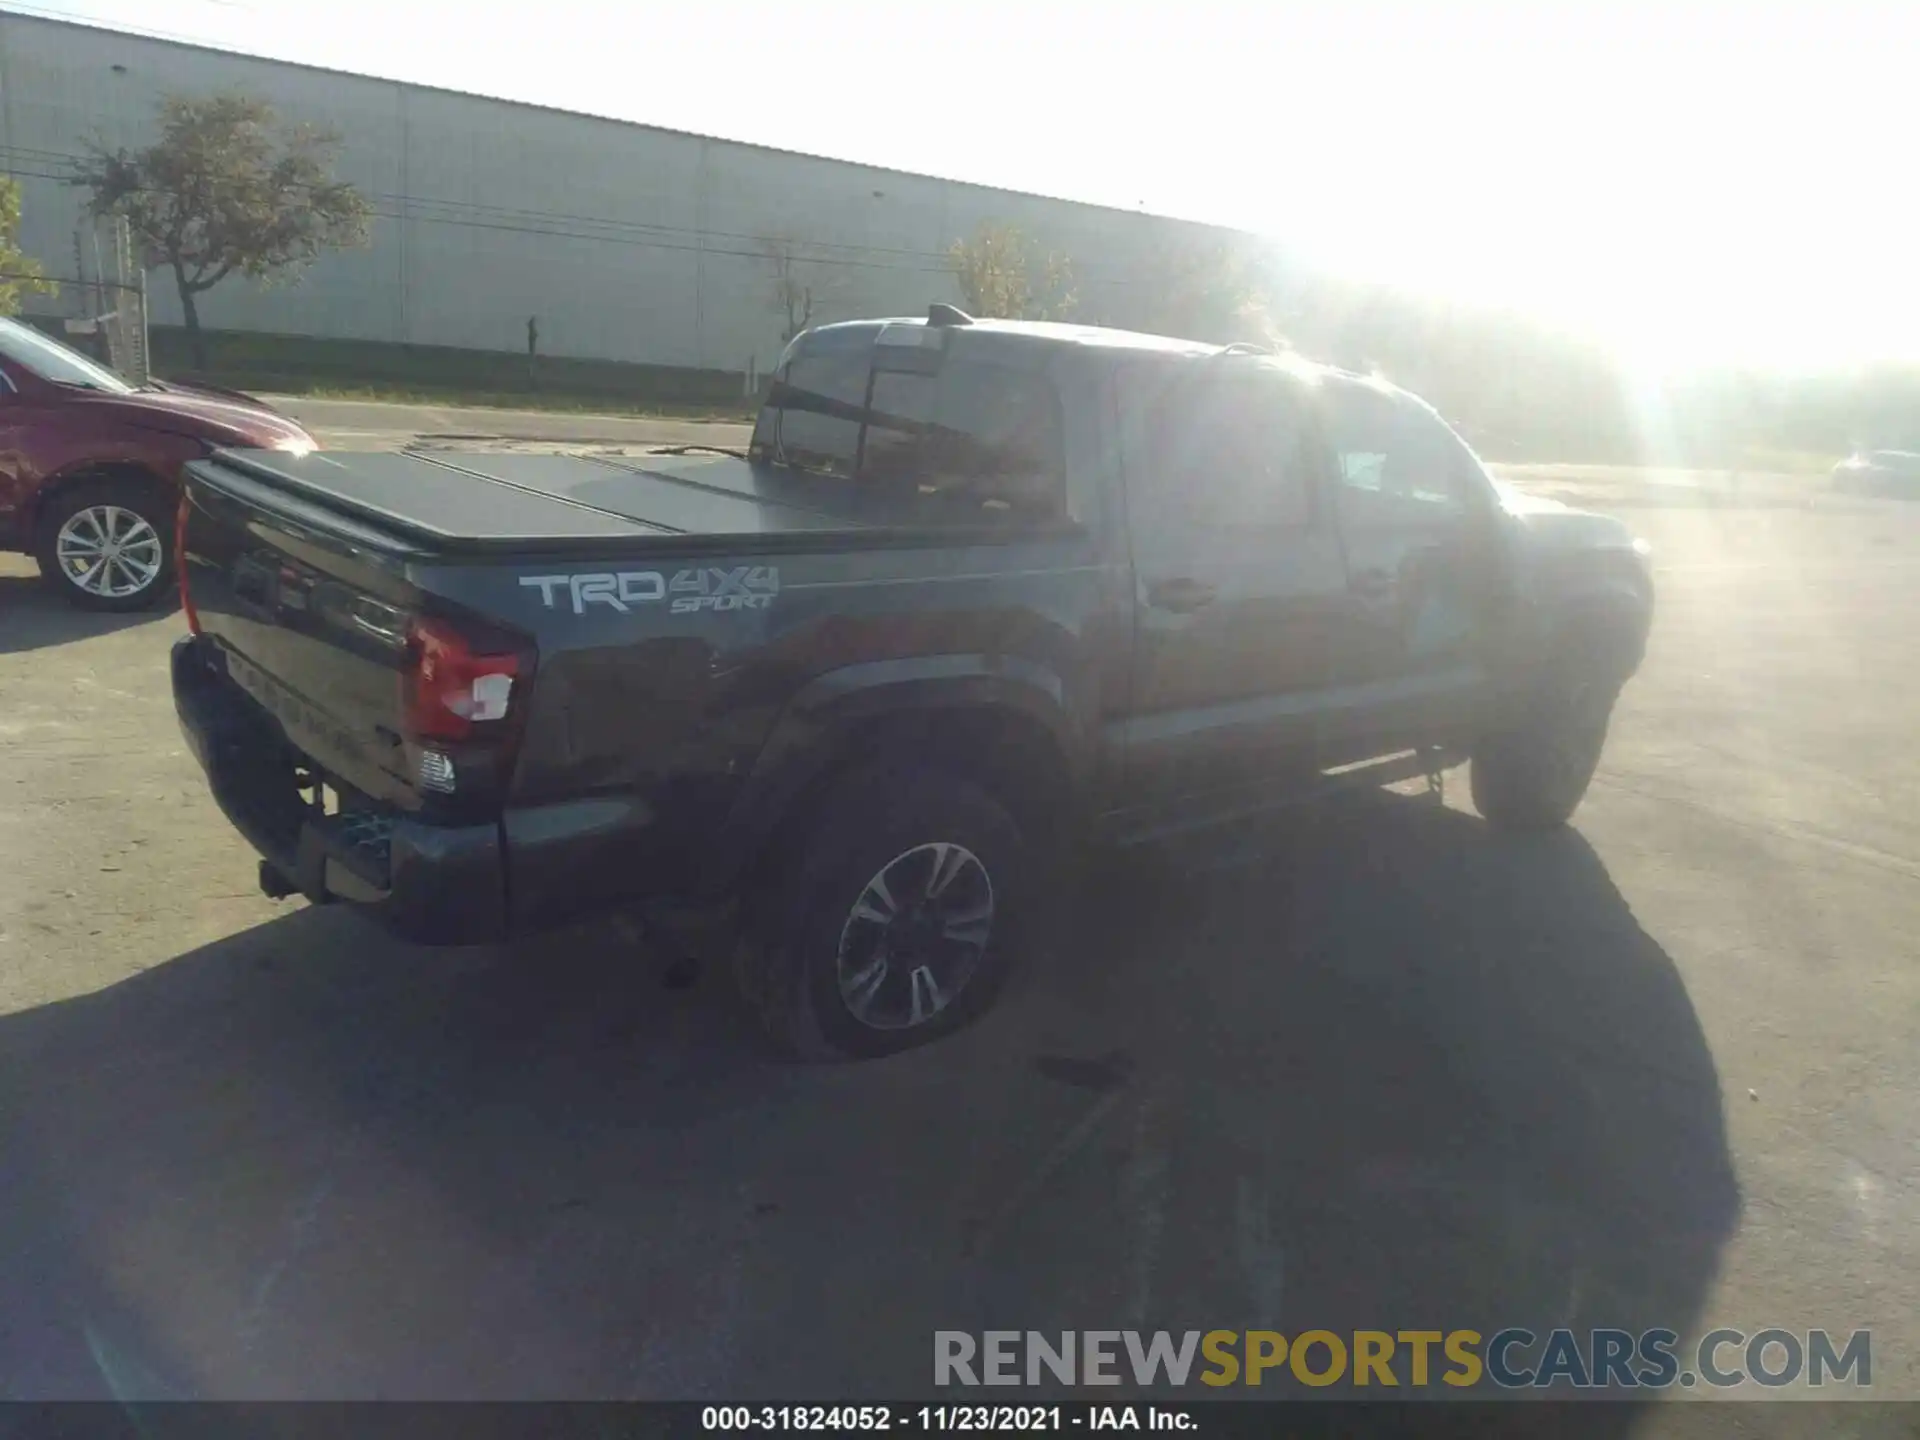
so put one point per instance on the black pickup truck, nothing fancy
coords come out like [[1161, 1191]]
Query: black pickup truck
[[977, 591]]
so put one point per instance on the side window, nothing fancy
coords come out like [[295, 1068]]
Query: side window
[[1395, 463], [974, 435], [811, 420], [1229, 452]]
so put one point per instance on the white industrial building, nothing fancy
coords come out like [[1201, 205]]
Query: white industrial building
[[627, 242]]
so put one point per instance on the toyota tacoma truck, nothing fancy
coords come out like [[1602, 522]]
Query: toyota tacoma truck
[[977, 592]]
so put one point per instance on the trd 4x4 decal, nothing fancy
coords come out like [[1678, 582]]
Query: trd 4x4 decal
[[740, 587]]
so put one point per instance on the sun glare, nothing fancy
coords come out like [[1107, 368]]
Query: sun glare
[[1690, 183]]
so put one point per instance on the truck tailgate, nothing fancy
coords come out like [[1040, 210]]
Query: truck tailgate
[[305, 617], [309, 607]]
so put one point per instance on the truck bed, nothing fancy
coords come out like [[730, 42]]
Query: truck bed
[[489, 502]]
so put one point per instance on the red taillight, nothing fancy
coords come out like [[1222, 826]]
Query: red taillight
[[180, 563], [449, 687]]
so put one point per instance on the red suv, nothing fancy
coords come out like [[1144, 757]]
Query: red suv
[[90, 465]]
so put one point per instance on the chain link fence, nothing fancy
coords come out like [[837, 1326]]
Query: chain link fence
[[99, 306], [103, 320]]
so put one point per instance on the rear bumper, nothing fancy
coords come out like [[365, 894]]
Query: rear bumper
[[436, 884]]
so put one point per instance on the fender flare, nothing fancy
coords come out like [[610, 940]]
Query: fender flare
[[1612, 607], [807, 738]]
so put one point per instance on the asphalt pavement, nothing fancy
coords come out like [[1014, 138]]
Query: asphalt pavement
[[1376, 1067]]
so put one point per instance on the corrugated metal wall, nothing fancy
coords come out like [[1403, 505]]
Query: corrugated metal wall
[[627, 243]]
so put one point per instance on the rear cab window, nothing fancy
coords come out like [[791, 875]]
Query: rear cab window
[[941, 423], [811, 421]]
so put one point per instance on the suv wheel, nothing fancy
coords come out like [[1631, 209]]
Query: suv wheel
[[1533, 775], [104, 545], [899, 919]]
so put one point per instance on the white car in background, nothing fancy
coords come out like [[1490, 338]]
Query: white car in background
[[1879, 472]]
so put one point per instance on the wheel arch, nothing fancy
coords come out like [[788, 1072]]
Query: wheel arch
[[1003, 723], [1607, 619], [1587, 603], [83, 472]]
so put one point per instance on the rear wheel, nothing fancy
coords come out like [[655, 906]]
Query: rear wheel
[[104, 545], [898, 919], [1533, 774]]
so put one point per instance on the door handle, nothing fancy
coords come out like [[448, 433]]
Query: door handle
[[1375, 584], [1180, 595]]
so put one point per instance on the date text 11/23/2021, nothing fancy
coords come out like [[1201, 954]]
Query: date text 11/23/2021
[[936, 1419]]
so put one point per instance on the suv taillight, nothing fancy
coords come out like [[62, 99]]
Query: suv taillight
[[451, 685], [180, 563]]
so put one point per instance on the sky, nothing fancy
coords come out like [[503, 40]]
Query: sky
[[1689, 183]]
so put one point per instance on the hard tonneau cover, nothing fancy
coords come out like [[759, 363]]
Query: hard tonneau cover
[[507, 501]]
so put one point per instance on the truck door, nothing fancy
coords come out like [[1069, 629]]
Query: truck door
[[1424, 575], [1238, 584]]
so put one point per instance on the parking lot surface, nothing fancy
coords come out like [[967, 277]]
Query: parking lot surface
[[1376, 1067]]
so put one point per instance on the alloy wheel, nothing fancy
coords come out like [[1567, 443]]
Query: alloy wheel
[[915, 936], [109, 551]]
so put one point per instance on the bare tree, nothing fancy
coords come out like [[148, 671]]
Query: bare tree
[[1001, 274], [791, 294], [227, 188]]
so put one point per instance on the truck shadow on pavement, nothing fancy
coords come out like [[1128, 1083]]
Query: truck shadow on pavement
[[1400, 1073], [32, 617]]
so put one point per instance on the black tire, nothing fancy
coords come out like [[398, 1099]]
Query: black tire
[[1533, 773], [817, 938], [142, 509]]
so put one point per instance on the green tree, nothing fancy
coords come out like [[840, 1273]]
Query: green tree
[[1003, 275], [20, 275], [227, 188], [1216, 292]]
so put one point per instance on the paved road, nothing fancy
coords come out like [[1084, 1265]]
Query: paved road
[[1392, 1071]]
